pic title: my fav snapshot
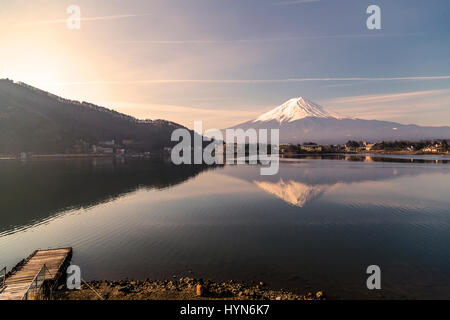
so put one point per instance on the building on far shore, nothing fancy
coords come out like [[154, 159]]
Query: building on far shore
[[108, 143], [436, 147], [369, 146], [104, 150], [433, 149]]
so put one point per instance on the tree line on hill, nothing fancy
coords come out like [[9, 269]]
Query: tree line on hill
[[32, 120]]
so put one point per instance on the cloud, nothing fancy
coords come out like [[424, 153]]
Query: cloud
[[381, 98], [244, 81], [101, 18], [262, 40], [432, 107], [287, 3]]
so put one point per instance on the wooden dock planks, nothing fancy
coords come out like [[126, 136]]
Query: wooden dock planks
[[20, 280]]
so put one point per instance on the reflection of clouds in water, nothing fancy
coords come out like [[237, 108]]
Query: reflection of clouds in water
[[292, 192]]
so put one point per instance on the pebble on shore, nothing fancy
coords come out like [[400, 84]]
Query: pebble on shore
[[183, 288]]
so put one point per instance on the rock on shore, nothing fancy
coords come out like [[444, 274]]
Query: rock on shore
[[177, 289]]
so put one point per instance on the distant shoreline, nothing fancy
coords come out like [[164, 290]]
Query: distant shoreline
[[76, 155], [375, 152], [62, 156], [284, 155]]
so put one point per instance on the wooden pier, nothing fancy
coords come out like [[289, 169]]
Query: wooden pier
[[42, 267]]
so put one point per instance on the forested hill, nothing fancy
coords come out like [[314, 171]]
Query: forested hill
[[32, 120]]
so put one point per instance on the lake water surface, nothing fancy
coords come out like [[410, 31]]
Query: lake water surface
[[316, 225]]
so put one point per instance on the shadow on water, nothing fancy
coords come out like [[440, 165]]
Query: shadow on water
[[34, 191]]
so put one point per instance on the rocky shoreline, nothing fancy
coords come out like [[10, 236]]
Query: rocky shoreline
[[178, 289]]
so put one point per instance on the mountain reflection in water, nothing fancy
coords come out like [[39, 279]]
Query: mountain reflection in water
[[299, 181], [292, 192]]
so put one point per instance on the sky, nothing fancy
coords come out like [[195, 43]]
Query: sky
[[227, 61]]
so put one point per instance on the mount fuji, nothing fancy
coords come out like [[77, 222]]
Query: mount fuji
[[300, 120]]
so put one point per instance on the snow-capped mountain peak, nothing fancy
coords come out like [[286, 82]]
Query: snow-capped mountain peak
[[300, 120], [296, 109]]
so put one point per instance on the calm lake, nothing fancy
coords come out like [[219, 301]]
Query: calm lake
[[316, 225]]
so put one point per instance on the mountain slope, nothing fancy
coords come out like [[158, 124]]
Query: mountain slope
[[296, 109], [300, 120], [37, 121]]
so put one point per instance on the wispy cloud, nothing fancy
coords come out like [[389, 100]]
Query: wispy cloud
[[382, 98], [433, 106], [279, 39], [247, 81], [100, 18], [287, 3]]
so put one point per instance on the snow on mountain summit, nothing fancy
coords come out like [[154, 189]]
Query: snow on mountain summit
[[296, 109]]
